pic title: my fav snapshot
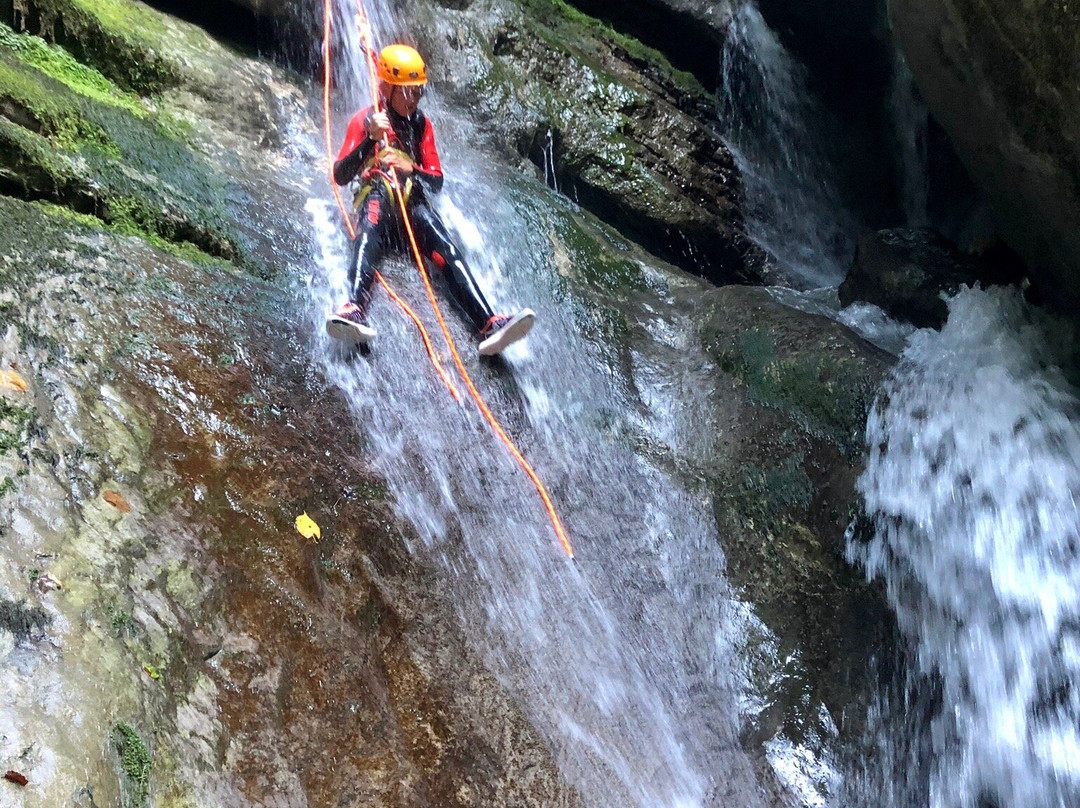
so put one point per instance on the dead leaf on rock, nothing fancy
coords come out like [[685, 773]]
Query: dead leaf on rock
[[15, 777], [116, 499], [12, 381]]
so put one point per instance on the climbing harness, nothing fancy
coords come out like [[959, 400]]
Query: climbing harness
[[415, 76]]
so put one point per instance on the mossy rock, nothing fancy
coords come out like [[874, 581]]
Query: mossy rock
[[783, 490], [123, 40], [81, 142], [818, 372], [135, 764], [624, 134], [13, 422]]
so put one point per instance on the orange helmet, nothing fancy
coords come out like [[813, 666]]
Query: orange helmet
[[402, 66]]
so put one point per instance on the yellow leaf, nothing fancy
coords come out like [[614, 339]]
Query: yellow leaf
[[307, 528], [152, 672], [12, 380]]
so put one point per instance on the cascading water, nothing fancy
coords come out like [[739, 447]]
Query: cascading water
[[911, 123], [973, 485], [624, 659], [776, 132], [550, 177]]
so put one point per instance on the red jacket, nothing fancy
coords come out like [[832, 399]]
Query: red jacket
[[414, 136]]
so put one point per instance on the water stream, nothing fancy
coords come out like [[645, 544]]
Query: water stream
[[777, 130], [624, 658], [627, 660], [973, 482]]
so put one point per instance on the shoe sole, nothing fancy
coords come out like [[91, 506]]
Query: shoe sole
[[520, 325], [349, 332]]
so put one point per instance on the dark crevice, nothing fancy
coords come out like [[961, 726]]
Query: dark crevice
[[688, 43], [721, 258]]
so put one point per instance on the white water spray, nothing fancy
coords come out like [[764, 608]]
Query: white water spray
[[973, 482]]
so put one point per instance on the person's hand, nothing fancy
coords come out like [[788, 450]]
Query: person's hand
[[378, 126], [398, 161]]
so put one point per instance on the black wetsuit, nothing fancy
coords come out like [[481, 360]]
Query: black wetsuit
[[380, 226]]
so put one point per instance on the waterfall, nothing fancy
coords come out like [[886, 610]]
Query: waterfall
[[776, 129], [973, 486], [910, 120], [626, 660]]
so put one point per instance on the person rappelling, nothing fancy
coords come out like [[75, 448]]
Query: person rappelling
[[395, 142]]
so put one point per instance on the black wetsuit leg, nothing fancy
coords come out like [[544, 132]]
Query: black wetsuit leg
[[435, 242], [372, 233]]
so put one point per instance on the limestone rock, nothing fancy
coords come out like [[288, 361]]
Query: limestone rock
[[1003, 79]]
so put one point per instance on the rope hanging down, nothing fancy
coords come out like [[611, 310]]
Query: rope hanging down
[[364, 29]]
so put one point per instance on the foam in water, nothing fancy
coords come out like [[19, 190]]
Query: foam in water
[[973, 484]]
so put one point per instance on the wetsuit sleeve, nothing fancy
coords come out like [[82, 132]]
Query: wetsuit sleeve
[[355, 150], [428, 169]]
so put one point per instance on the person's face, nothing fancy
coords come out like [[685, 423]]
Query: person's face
[[405, 100]]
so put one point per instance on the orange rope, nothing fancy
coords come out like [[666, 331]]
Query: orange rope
[[365, 33], [488, 416], [327, 21]]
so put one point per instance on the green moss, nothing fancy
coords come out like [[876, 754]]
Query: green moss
[[59, 211], [134, 174], [6, 485], [569, 24], [816, 387], [132, 20], [52, 114], [771, 494], [123, 40], [604, 270], [121, 621], [13, 420], [128, 226], [135, 762], [60, 65]]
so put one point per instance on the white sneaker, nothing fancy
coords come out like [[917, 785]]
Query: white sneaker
[[502, 331], [348, 324]]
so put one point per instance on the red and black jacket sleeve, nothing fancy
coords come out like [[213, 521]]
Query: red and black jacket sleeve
[[356, 149], [427, 167]]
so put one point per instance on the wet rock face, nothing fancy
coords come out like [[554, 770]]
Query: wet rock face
[[907, 272], [778, 419], [790, 410], [1003, 78], [161, 432], [615, 127], [149, 535]]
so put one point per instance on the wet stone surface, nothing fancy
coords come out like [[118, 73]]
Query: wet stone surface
[[173, 446], [172, 429]]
